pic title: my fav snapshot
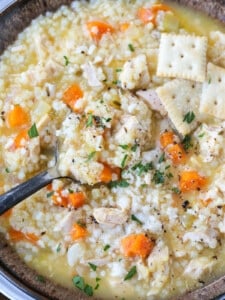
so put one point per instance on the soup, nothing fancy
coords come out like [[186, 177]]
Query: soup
[[133, 93]]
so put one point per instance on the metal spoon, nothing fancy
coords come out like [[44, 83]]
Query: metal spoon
[[29, 187]]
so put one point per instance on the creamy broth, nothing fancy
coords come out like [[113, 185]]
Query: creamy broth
[[111, 134]]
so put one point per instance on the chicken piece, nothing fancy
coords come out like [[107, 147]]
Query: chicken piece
[[112, 216], [135, 74], [151, 98], [209, 238], [198, 266], [66, 223], [75, 253], [93, 75]]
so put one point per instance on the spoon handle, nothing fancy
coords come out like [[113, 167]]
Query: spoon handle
[[25, 189]]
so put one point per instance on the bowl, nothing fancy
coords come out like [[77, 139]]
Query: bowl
[[17, 280]]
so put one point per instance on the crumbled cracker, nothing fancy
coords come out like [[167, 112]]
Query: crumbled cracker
[[182, 56], [179, 98], [213, 92], [216, 49]]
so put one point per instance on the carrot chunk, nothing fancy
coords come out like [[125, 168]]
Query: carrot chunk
[[176, 153], [78, 232], [98, 28], [71, 95], [191, 180], [17, 236], [107, 173], [21, 137], [137, 245], [17, 117], [76, 199], [124, 26], [147, 15], [166, 138], [7, 214]]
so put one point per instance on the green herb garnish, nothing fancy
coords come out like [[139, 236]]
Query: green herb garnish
[[123, 162], [78, 281], [131, 273], [33, 132], [118, 70], [162, 158], [134, 218], [187, 142], [189, 117], [88, 290], [49, 194], [158, 177], [7, 170], [201, 135], [131, 47], [118, 183], [92, 266], [134, 147], [125, 147], [141, 168], [106, 247], [58, 249], [89, 122], [90, 156], [66, 60], [97, 286], [175, 190], [40, 278]]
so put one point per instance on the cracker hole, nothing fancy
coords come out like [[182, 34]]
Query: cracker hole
[[170, 66], [193, 86], [173, 96], [181, 56], [172, 44], [219, 80], [190, 67], [193, 46], [215, 102], [188, 100]]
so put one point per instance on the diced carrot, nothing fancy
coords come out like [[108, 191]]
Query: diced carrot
[[21, 137], [176, 153], [78, 232], [124, 26], [166, 138], [71, 95], [17, 236], [76, 199], [191, 180], [59, 200], [137, 245], [147, 15], [107, 173], [49, 187], [17, 117], [98, 28], [7, 214]]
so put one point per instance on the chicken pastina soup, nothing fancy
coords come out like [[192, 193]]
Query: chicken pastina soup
[[133, 91]]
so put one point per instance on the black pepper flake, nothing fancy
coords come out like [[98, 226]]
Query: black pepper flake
[[185, 204], [219, 206], [215, 257], [73, 160], [201, 281]]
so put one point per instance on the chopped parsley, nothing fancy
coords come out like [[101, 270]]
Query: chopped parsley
[[40, 278], [117, 82], [131, 47], [131, 273], [90, 156], [7, 170], [89, 122], [169, 175], [141, 168], [33, 132], [123, 162], [70, 191], [162, 158], [106, 247], [201, 135], [158, 177], [118, 70], [118, 183], [92, 266], [79, 282], [175, 190], [50, 194], [134, 218], [189, 117], [58, 249], [125, 147], [186, 142], [66, 60], [97, 286], [134, 147], [209, 80]]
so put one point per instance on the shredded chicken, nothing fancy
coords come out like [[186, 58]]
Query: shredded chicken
[[105, 215]]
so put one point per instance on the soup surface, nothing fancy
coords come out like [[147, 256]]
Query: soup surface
[[134, 93]]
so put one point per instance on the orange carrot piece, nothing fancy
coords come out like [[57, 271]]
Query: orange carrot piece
[[166, 138], [78, 232], [21, 137], [124, 26], [107, 173], [7, 214], [176, 153], [17, 117], [17, 236], [147, 15], [76, 199], [206, 202], [137, 245], [98, 28], [71, 95], [191, 180]]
